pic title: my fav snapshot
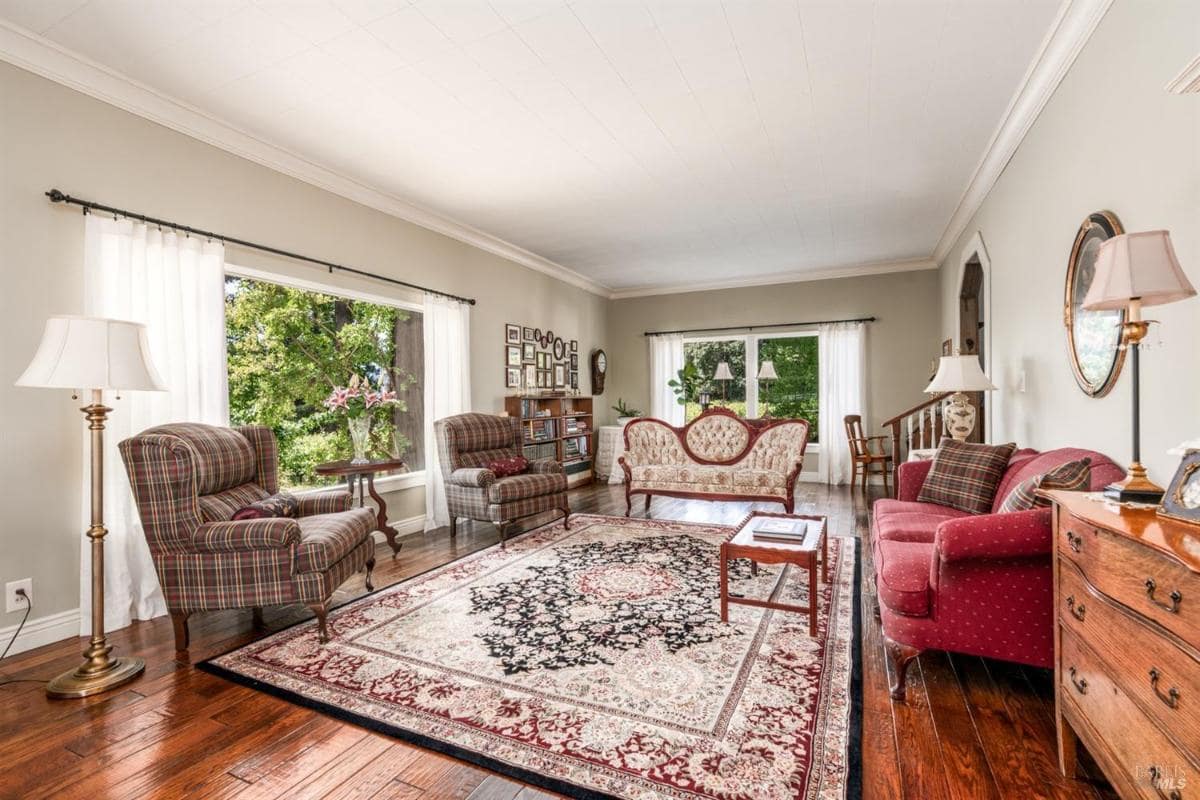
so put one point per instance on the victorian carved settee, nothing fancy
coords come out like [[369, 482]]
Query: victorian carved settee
[[190, 479], [717, 456], [467, 445], [980, 584]]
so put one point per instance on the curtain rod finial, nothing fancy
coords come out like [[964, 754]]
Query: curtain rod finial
[[56, 196]]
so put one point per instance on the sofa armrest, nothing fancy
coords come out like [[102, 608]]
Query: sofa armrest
[[325, 502], [910, 477], [475, 478], [1018, 534], [247, 534], [546, 466]]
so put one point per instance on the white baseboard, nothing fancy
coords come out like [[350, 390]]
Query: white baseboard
[[43, 630], [404, 527]]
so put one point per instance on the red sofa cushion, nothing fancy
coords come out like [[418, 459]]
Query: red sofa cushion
[[902, 572], [912, 526]]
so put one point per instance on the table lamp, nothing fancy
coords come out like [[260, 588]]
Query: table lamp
[[766, 372], [1135, 270], [959, 374], [94, 354], [724, 376]]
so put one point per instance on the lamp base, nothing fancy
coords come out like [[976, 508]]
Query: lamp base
[[1135, 488], [959, 416], [82, 683]]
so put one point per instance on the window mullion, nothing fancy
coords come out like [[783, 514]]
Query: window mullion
[[751, 376]]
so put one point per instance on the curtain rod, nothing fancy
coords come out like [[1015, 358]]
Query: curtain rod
[[59, 197], [757, 327]]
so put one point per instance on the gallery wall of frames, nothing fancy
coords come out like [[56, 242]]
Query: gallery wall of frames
[[537, 360]]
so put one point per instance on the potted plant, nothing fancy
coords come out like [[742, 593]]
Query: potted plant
[[686, 383], [624, 412]]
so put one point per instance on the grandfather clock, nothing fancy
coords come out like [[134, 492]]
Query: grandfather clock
[[599, 370]]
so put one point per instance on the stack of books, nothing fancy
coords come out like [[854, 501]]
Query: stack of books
[[540, 430], [778, 529]]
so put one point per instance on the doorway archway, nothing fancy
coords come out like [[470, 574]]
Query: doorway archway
[[973, 335]]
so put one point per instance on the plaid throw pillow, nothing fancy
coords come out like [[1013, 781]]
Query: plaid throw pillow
[[1073, 476], [503, 467], [277, 505], [965, 475]]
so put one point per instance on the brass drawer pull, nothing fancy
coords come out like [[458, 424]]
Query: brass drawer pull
[[1077, 611], [1080, 684], [1157, 779], [1176, 597], [1076, 542], [1171, 698]]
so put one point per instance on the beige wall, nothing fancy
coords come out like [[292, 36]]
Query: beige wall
[[51, 136], [1110, 138], [900, 345]]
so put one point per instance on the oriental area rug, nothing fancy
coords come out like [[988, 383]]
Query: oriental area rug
[[593, 662]]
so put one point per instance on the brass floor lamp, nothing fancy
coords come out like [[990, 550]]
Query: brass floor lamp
[[95, 354]]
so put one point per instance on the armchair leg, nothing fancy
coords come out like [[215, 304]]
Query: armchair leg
[[256, 616], [899, 656], [628, 500], [321, 610], [566, 518], [646, 510], [179, 619], [370, 565]]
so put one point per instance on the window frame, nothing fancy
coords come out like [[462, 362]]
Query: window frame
[[750, 341], [384, 483]]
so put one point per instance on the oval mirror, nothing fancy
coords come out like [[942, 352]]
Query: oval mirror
[[1093, 337]]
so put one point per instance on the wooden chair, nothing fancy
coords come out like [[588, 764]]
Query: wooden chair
[[862, 454]]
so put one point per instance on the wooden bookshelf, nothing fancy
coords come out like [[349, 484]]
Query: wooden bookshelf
[[557, 427]]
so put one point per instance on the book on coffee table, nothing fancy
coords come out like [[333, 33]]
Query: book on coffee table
[[780, 530]]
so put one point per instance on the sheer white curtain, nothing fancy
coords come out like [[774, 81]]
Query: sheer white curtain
[[666, 359], [447, 389], [174, 284], [842, 355]]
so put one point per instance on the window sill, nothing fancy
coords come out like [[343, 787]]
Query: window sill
[[387, 483]]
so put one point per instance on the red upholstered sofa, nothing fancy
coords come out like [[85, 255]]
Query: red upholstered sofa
[[969, 583]]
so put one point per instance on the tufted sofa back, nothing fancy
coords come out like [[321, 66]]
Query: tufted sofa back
[[718, 436]]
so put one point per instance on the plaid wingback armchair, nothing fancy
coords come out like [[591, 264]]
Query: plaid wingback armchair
[[467, 443], [189, 479]]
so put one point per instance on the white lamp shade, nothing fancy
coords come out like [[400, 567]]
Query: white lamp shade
[[1137, 265], [92, 353], [723, 373], [959, 374], [766, 371]]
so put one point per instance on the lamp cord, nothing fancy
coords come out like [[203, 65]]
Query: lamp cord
[[12, 641]]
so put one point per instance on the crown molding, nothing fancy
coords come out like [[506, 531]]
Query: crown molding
[[852, 271], [1072, 28], [29, 51], [1188, 80]]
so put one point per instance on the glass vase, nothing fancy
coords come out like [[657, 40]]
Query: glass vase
[[360, 438]]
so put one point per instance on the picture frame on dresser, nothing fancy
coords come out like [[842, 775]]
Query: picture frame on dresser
[[1181, 501]]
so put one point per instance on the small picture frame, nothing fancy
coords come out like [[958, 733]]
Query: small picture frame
[[543, 379], [560, 376], [560, 349], [512, 334], [528, 352], [512, 377], [530, 376], [512, 355], [1181, 501], [543, 361], [574, 361], [527, 334], [574, 380], [574, 345]]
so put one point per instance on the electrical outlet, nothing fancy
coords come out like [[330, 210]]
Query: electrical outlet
[[14, 601]]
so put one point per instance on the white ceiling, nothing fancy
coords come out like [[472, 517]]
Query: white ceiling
[[640, 144]]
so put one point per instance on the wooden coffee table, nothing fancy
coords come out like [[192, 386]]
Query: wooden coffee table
[[742, 544]]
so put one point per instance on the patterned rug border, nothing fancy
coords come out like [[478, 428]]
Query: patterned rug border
[[853, 750]]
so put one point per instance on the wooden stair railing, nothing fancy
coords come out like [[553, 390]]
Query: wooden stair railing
[[919, 427]]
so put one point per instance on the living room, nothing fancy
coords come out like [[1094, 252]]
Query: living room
[[656, 399]]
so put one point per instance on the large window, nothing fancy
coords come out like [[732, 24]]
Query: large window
[[289, 346], [794, 394]]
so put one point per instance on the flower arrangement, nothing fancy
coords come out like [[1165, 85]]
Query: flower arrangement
[[356, 400]]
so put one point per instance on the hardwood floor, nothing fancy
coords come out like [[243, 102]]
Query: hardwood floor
[[972, 728]]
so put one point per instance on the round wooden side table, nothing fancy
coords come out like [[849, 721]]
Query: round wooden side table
[[364, 474]]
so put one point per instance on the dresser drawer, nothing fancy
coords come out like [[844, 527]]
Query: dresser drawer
[[1141, 578], [1161, 677], [1130, 739]]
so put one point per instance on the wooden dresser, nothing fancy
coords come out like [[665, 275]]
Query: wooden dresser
[[1127, 646]]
